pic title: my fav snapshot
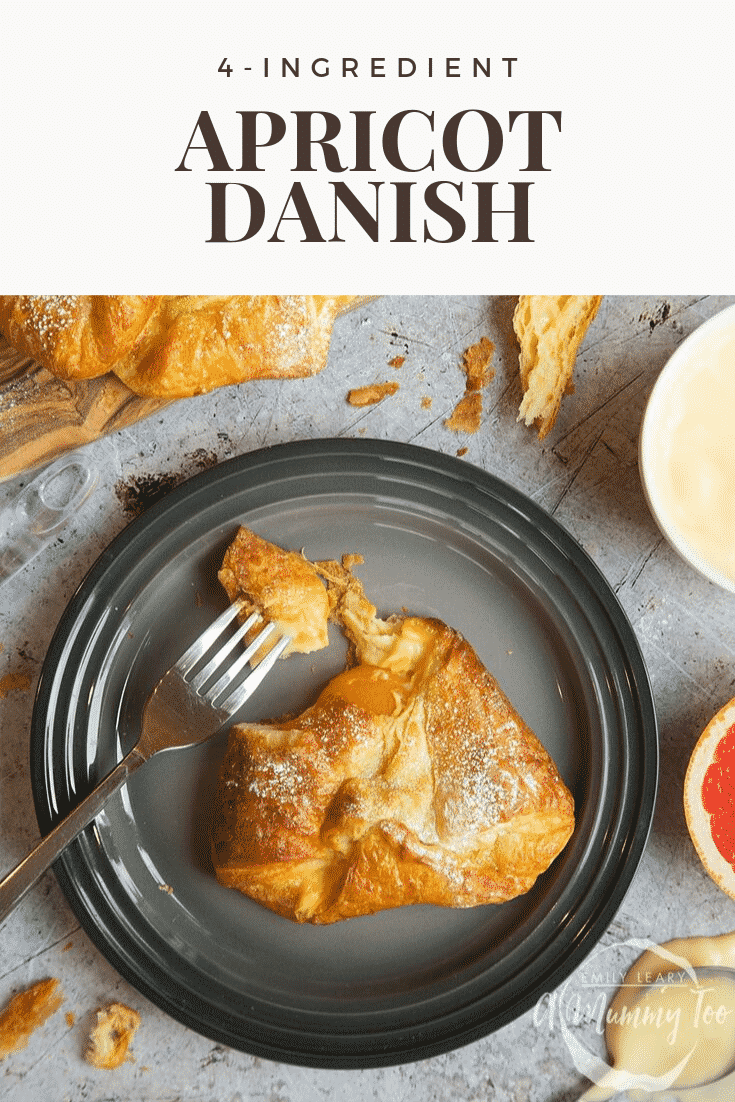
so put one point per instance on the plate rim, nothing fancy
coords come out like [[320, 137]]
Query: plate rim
[[331, 1051]]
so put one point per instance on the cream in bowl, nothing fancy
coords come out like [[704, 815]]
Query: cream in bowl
[[687, 450]]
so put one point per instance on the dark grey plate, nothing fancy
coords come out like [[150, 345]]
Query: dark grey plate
[[439, 537]]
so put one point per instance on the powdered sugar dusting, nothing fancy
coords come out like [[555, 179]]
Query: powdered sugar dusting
[[49, 315], [280, 779]]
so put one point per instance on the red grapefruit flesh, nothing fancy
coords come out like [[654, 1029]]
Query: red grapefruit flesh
[[709, 798]]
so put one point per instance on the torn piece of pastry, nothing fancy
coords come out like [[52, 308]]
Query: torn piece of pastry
[[550, 329], [411, 779], [476, 363], [174, 346], [283, 586], [26, 1012], [109, 1041]]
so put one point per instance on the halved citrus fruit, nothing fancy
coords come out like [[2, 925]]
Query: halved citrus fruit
[[709, 798]]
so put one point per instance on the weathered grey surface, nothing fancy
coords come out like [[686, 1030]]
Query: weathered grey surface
[[585, 473]]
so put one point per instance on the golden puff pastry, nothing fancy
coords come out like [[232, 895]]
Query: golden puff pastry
[[550, 329], [174, 346], [283, 586], [411, 779]]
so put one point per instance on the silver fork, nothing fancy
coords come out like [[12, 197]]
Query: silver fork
[[184, 709]]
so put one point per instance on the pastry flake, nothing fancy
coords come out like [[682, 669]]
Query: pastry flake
[[26, 1012], [550, 329], [372, 394], [476, 363], [411, 779]]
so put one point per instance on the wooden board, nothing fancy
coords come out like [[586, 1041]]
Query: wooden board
[[41, 417]]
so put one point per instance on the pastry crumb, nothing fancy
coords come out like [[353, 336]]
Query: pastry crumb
[[370, 395], [26, 1012], [166, 888], [476, 364], [426, 402], [397, 361], [109, 1041], [467, 414]]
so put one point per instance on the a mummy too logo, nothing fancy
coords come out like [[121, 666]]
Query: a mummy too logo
[[638, 1017]]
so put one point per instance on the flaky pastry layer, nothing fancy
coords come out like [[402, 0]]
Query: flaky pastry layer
[[550, 329]]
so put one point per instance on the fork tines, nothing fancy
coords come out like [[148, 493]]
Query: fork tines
[[216, 694]]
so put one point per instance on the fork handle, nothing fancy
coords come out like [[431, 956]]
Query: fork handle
[[25, 874]]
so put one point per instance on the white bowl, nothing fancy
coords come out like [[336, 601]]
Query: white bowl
[[665, 408]]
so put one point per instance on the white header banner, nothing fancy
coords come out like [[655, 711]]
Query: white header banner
[[369, 149]]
